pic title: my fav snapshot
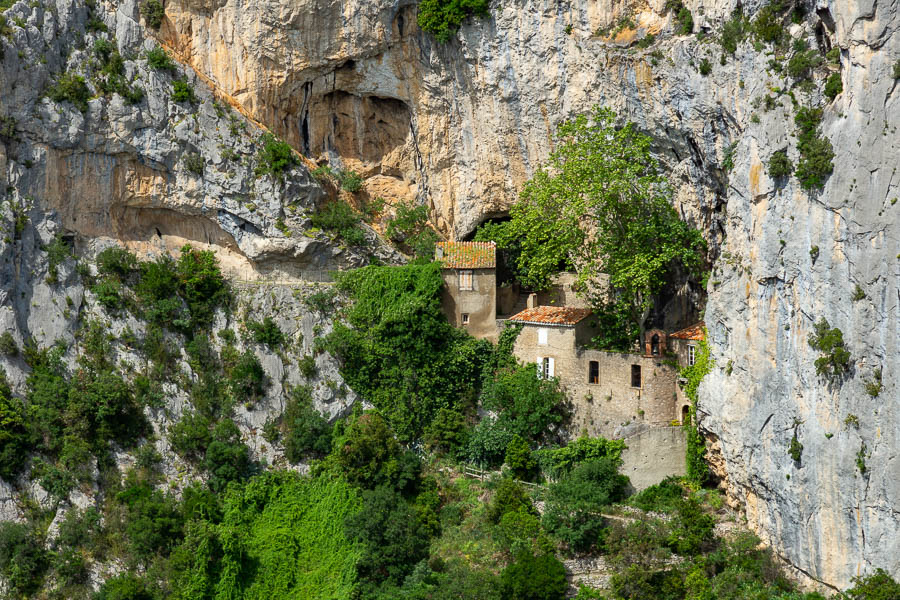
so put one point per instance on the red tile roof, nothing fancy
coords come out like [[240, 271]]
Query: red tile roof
[[697, 331], [466, 255], [551, 315]]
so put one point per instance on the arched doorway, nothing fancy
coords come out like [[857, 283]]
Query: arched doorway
[[685, 413]]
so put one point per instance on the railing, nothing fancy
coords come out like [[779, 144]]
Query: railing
[[482, 474]]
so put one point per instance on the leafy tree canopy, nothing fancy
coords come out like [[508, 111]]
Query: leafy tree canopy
[[602, 206]]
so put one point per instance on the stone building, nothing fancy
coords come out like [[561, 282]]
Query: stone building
[[469, 297], [684, 345], [608, 390]]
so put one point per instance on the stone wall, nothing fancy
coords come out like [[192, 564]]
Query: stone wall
[[654, 454], [480, 303]]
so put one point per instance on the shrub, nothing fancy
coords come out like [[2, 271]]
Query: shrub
[[342, 220], [519, 458], [897, 69], [158, 59], [768, 25], [874, 386], [733, 32], [447, 432], [14, 443], [304, 429], [443, 17], [573, 502], [528, 406], [410, 228], [182, 91], [558, 462], [191, 435], [875, 586], [124, 587], [267, 332], [662, 497], [116, 261], [153, 13], [8, 345], [227, 458], [533, 577], [275, 157], [803, 61], [780, 165], [23, 559], [833, 86], [692, 529], [795, 450], [150, 519], [193, 162], [369, 455], [307, 366], [321, 300], [509, 497], [390, 535], [705, 67], [834, 359], [816, 153], [683, 17], [109, 294], [247, 378], [351, 181], [71, 88], [858, 294]]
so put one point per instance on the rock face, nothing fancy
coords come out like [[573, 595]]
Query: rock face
[[460, 126]]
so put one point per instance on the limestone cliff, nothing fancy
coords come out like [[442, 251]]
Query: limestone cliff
[[461, 125]]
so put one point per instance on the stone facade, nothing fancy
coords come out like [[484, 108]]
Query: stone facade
[[474, 309]]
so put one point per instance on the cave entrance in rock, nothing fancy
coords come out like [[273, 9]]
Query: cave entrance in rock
[[505, 259]]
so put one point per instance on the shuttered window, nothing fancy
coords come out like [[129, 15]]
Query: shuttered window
[[465, 279]]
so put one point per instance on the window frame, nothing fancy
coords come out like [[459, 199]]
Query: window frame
[[636, 370], [692, 354], [593, 377], [543, 336], [464, 318], [464, 275]]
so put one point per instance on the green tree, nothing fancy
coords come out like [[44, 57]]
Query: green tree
[[443, 17], [875, 586], [13, 432], [304, 429], [603, 206], [533, 577]]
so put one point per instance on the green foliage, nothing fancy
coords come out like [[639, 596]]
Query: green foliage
[[267, 332], [443, 17], [13, 432], [193, 162], [281, 537], [816, 153], [247, 378], [695, 465], [23, 559], [833, 86], [795, 450], [369, 455], [684, 20], [875, 586], [125, 587], [803, 61], [519, 458], [603, 205], [409, 228], [341, 219], [158, 59], [447, 433], [390, 534], [705, 67], [834, 358], [769, 23], [897, 69], [150, 519], [275, 157], [191, 435], [861, 459], [398, 351], [350, 181], [575, 501], [57, 252], [662, 497], [304, 430], [509, 497], [533, 577], [70, 88], [227, 458], [153, 13], [557, 462], [182, 91], [692, 529], [780, 165], [8, 345], [733, 32], [858, 294], [321, 300], [116, 261], [875, 385]]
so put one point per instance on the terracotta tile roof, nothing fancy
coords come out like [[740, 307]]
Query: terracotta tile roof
[[697, 331], [551, 315], [466, 255]]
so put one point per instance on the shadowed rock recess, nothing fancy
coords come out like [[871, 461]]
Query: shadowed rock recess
[[460, 126]]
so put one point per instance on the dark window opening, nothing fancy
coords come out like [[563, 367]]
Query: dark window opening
[[594, 372], [635, 376], [654, 345], [465, 318], [685, 413]]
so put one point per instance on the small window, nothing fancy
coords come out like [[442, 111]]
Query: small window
[[465, 318], [692, 355], [685, 414], [545, 368], [635, 376], [654, 345], [542, 337], [465, 279], [594, 372]]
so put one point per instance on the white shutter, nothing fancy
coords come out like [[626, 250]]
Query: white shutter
[[542, 336], [550, 374], [540, 367]]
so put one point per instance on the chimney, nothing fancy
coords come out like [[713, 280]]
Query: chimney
[[532, 301], [438, 253]]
